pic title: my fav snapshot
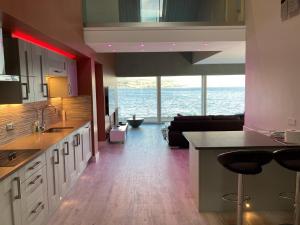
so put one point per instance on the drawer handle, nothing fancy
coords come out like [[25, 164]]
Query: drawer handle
[[68, 150], [40, 206], [35, 179], [57, 156], [35, 165]]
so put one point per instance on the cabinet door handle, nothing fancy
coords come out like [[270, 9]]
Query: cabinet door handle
[[82, 151], [79, 139], [35, 165], [27, 70], [68, 149], [17, 179], [57, 156], [57, 71], [42, 74], [26, 91]]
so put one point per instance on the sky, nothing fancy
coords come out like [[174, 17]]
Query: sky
[[182, 81]]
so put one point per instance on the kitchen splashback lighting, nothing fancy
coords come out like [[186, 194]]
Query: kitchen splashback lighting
[[35, 41]]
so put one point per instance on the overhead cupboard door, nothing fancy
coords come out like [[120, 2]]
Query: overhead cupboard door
[[57, 64]]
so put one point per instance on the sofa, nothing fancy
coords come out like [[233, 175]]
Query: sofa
[[201, 123]]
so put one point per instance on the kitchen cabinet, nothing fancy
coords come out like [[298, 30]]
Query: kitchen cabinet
[[34, 198], [33, 193], [33, 69], [39, 68], [66, 85], [10, 200], [27, 79], [53, 173], [87, 142], [65, 167], [78, 151], [57, 64]]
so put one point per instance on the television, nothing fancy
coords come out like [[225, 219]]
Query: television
[[106, 90]]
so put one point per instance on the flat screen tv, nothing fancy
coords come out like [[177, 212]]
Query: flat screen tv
[[106, 100]]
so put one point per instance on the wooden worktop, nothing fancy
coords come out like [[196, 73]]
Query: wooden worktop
[[39, 142], [232, 140]]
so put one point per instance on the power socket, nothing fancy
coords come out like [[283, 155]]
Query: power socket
[[10, 126]]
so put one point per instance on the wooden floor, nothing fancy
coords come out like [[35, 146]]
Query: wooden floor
[[142, 182]]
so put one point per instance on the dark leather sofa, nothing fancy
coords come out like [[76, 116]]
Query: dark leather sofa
[[201, 123]]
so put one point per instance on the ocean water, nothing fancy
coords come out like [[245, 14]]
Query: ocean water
[[143, 101]]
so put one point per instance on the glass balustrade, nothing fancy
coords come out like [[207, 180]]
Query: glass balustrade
[[198, 12]]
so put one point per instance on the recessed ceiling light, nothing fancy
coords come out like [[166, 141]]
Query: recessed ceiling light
[[142, 45], [109, 45]]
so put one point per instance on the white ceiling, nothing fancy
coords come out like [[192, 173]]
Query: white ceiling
[[230, 41]]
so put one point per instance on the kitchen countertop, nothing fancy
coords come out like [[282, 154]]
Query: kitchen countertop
[[233, 140], [39, 142]]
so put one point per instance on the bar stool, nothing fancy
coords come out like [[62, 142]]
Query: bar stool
[[290, 159], [244, 162]]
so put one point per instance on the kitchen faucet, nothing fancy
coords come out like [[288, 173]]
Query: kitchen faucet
[[43, 125]]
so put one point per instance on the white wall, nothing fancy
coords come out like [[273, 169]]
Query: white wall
[[272, 66]]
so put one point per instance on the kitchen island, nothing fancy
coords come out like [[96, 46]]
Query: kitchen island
[[210, 181]]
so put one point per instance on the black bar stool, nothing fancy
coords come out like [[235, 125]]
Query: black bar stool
[[244, 162], [290, 159]]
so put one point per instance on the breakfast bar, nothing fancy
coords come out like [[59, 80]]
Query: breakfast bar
[[210, 181]]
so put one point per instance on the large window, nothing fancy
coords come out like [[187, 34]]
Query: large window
[[161, 98], [225, 95], [180, 94], [137, 96]]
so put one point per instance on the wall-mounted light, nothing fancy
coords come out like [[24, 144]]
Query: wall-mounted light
[[42, 44]]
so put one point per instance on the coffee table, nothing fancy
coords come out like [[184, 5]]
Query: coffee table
[[135, 123]]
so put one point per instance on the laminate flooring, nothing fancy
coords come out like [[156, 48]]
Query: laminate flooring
[[142, 182]]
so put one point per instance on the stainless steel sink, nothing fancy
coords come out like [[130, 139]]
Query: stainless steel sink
[[11, 158], [57, 129]]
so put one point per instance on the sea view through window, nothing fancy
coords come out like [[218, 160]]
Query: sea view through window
[[141, 96]]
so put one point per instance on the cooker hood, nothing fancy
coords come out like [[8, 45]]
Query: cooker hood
[[10, 84]]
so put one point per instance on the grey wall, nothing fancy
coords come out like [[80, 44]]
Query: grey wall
[[171, 64]]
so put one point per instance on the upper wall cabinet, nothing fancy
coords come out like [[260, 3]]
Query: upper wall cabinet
[[45, 74], [64, 86], [39, 68], [57, 64]]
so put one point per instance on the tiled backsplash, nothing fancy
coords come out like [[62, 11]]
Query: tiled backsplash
[[24, 115], [78, 108]]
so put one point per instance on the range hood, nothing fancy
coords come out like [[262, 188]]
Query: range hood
[[10, 84]]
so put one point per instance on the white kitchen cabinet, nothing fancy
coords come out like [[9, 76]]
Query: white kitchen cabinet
[[27, 79], [73, 162], [34, 197], [56, 64], [80, 153], [87, 142], [39, 69], [65, 167], [53, 172], [28, 88], [10, 200], [33, 69]]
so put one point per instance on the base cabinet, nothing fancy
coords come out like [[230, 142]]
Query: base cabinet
[[53, 162], [33, 193], [10, 201], [35, 199]]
